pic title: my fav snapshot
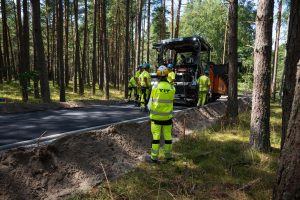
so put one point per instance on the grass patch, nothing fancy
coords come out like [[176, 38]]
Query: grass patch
[[12, 91], [212, 164]]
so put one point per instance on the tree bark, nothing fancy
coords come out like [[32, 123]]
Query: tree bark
[[177, 20], [232, 106], [60, 51], [105, 50], [172, 18], [148, 30], [67, 75], [84, 57], [292, 57], [94, 63], [260, 115], [288, 177], [275, 61], [138, 32], [5, 42], [40, 54], [126, 50], [1, 64], [77, 53]]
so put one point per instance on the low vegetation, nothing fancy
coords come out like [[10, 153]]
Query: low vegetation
[[12, 92], [211, 164]]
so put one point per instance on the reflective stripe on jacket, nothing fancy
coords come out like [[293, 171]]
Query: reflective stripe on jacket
[[162, 97]]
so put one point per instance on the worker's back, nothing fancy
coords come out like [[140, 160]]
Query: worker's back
[[204, 83], [162, 96]]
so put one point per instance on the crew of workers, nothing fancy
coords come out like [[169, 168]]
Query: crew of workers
[[158, 100]]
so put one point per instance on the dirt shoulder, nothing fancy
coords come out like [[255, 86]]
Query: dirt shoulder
[[77, 163]]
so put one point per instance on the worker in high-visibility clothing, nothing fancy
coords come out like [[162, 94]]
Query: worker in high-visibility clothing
[[204, 86], [131, 87], [145, 80], [161, 114], [171, 75], [138, 72]]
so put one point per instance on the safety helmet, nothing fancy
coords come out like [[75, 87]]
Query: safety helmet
[[147, 65], [206, 72], [162, 71], [170, 65], [141, 66]]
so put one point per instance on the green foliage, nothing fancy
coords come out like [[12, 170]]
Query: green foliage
[[212, 164]]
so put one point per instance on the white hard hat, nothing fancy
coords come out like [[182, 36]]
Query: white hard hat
[[162, 71]]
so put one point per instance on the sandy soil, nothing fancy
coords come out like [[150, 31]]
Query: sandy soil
[[77, 163]]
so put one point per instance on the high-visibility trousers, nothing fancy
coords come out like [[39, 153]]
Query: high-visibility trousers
[[130, 91], [145, 96], [157, 130], [202, 98], [138, 95]]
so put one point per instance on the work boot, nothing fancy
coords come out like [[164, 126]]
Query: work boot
[[148, 159]]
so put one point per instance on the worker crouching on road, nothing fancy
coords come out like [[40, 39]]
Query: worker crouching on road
[[161, 114], [145, 80], [204, 86], [131, 87], [138, 72], [171, 75]]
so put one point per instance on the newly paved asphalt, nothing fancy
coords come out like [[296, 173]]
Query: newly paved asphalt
[[26, 126]]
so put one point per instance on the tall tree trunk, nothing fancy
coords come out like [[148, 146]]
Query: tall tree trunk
[[40, 54], [260, 115], [5, 41], [138, 32], [60, 51], [25, 56], [143, 35], [13, 66], [177, 20], [35, 69], [126, 50], [172, 18], [67, 75], [1, 64], [105, 50], [225, 42], [288, 177], [94, 63], [292, 57], [148, 30], [100, 40], [232, 106], [275, 61], [83, 81], [77, 50], [53, 54]]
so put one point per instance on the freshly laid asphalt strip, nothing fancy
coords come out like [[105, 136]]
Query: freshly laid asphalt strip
[[27, 126]]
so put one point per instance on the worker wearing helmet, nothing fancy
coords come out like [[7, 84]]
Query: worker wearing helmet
[[145, 80], [138, 84], [131, 87], [204, 86], [171, 75], [161, 108]]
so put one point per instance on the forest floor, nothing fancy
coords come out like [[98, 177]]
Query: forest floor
[[14, 103], [215, 163]]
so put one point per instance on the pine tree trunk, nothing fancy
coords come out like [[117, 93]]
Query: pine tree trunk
[[40, 54], [275, 61], [5, 42], [60, 51], [288, 177], [172, 18], [1, 63], [77, 53], [232, 106], [126, 50], [260, 115], [105, 50], [148, 30], [94, 62], [83, 81], [25, 57], [67, 75], [36, 70], [138, 32], [292, 57], [100, 41], [177, 20]]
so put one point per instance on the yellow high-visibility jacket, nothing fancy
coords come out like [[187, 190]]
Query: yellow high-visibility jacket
[[132, 82], [146, 75], [171, 76], [204, 83], [162, 97]]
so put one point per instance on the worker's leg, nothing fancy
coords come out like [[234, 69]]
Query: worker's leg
[[156, 130], [129, 92], [147, 95], [142, 101], [167, 130], [199, 99], [203, 98]]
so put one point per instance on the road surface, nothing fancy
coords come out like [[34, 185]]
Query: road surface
[[27, 126]]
